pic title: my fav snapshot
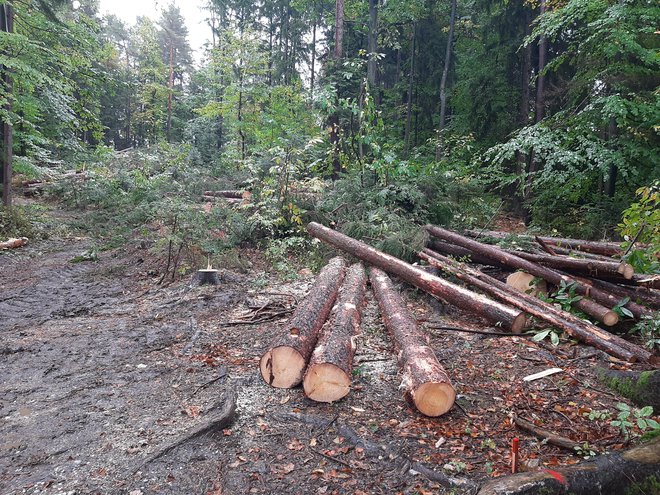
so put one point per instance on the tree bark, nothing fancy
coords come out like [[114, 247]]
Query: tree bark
[[283, 364], [170, 88], [426, 383], [572, 325], [333, 121], [593, 268], [411, 81], [328, 376], [7, 21], [494, 312], [643, 295], [641, 387], [443, 80], [617, 473], [517, 262]]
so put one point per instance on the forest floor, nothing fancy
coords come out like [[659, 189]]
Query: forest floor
[[103, 370]]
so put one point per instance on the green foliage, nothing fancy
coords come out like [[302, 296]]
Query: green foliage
[[553, 333], [629, 417], [641, 224], [649, 329]]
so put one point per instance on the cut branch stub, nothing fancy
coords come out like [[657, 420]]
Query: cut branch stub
[[284, 363], [328, 376], [498, 314], [425, 381]]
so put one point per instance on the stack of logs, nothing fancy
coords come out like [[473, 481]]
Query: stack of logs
[[319, 342], [318, 346]]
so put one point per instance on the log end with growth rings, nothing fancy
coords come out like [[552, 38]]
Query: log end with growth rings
[[325, 382], [282, 367], [434, 399]]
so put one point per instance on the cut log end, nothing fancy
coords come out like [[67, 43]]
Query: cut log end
[[434, 399], [208, 276], [326, 382], [626, 270], [610, 318], [519, 323], [282, 367]]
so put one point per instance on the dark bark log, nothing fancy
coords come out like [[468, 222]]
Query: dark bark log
[[590, 334], [598, 311], [617, 473], [283, 364], [592, 268], [641, 387], [550, 437], [425, 381], [501, 256], [328, 376], [494, 312], [644, 295], [460, 253], [596, 247]]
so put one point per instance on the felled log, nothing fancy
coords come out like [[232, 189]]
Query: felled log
[[493, 311], [425, 382], [637, 310], [645, 295], [595, 247], [236, 194], [284, 363], [547, 435], [617, 473], [14, 243], [581, 330], [460, 253], [231, 201], [594, 268], [328, 376], [641, 387], [513, 261], [529, 284]]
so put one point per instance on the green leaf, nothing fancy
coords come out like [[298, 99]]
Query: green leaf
[[646, 411]]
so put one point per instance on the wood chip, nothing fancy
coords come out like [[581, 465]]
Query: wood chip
[[542, 374]]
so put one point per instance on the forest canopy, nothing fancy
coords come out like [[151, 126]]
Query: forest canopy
[[411, 110]]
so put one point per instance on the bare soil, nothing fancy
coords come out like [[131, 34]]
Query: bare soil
[[107, 379]]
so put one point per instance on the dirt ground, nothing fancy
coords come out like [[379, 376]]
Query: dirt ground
[[107, 379]]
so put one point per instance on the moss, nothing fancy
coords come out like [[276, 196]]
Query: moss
[[650, 484], [644, 378]]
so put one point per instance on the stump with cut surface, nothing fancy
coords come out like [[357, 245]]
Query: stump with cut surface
[[425, 381], [284, 363], [328, 376]]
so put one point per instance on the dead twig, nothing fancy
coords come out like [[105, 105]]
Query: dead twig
[[480, 332], [331, 458]]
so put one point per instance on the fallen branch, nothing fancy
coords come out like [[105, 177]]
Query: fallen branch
[[550, 437]]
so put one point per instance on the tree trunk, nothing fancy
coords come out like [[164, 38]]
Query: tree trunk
[[333, 121], [372, 46], [411, 81], [593, 268], [641, 387], [7, 21], [283, 364], [443, 80], [170, 88], [613, 170], [494, 312], [313, 61], [618, 473], [572, 325], [328, 376], [426, 383], [517, 262]]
